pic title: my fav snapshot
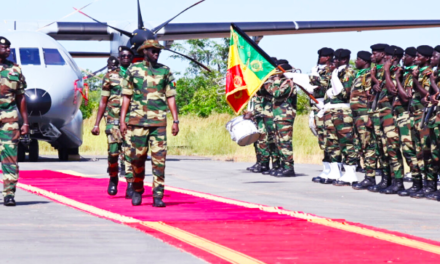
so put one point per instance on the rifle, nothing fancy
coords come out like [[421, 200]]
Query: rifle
[[427, 114]]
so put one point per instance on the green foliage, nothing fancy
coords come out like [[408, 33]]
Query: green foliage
[[303, 103], [93, 104]]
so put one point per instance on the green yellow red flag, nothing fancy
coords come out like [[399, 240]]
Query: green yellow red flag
[[248, 68]]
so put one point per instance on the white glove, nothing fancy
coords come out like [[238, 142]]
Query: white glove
[[315, 71], [312, 124], [337, 86]]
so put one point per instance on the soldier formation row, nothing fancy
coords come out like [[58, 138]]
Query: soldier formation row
[[380, 114]]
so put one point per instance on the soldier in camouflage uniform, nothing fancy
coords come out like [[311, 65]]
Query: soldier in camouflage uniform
[[147, 90], [284, 112], [252, 110], [12, 84], [339, 122], [110, 106], [320, 77]]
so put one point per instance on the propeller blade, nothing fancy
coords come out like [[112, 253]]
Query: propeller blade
[[156, 29], [128, 34], [140, 21], [191, 59], [66, 16]]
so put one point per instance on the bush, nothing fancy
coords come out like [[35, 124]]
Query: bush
[[93, 104]]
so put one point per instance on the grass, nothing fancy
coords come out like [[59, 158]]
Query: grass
[[206, 137]]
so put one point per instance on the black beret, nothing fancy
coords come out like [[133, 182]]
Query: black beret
[[113, 59], [364, 55], [342, 54], [4, 41], [379, 47], [411, 51], [274, 59], [394, 51], [425, 50], [285, 66], [122, 48], [324, 52], [437, 48], [337, 52], [282, 61]]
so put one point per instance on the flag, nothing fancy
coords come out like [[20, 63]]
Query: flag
[[248, 68]]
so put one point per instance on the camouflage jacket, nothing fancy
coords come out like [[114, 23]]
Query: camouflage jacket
[[12, 83], [425, 82], [149, 87], [322, 81], [346, 77], [385, 97], [358, 95], [284, 100], [111, 87], [407, 83], [257, 101], [434, 121]]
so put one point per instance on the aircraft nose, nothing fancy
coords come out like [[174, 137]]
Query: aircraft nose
[[38, 101]]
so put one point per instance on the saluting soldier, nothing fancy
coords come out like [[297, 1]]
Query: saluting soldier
[[110, 107], [148, 90], [12, 84]]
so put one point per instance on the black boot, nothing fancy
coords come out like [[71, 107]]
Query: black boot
[[264, 166], [417, 186], [384, 183], [394, 188], [129, 191], [433, 196], [136, 199], [275, 166], [9, 200], [275, 172], [286, 173], [430, 187], [113, 186], [363, 185], [253, 166], [122, 169], [157, 202]]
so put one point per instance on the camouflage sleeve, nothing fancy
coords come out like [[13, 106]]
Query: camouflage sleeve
[[284, 89], [322, 82], [127, 82], [258, 105], [367, 82], [426, 82], [21, 80], [105, 91], [347, 82], [170, 89]]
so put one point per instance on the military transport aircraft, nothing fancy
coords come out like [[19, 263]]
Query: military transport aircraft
[[53, 100]]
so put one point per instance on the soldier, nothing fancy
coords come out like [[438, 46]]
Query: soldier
[[339, 123], [147, 90], [12, 98], [422, 86], [320, 77], [255, 101], [284, 111], [110, 107]]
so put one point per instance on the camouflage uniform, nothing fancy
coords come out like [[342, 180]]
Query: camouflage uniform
[[12, 84], [284, 113], [323, 83], [147, 119], [266, 125], [339, 123], [365, 140], [405, 124], [390, 133]]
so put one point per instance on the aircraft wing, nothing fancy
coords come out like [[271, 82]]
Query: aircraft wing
[[181, 31]]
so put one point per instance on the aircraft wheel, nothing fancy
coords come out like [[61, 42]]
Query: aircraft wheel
[[21, 152], [63, 154], [33, 150]]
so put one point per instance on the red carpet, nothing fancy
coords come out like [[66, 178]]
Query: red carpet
[[264, 236]]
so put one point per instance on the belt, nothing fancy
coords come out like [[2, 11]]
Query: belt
[[113, 122]]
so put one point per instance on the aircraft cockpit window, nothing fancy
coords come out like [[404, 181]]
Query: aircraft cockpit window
[[30, 56], [53, 57], [12, 57]]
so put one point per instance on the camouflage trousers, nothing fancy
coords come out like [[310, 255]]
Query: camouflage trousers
[[320, 129], [365, 143], [390, 143], [266, 145], [283, 135], [435, 150], [141, 138], [339, 136], [9, 135], [422, 142], [116, 148], [405, 126]]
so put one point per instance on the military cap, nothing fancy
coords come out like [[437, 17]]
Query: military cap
[[122, 48], [113, 59], [364, 55], [4, 41], [343, 54], [282, 61], [284, 64], [337, 52], [411, 51], [379, 47], [324, 52], [394, 51], [149, 43], [425, 50], [437, 48]]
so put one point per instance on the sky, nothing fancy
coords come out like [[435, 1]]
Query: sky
[[300, 50]]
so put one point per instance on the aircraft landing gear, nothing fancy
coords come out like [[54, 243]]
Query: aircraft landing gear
[[33, 150], [64, 153]]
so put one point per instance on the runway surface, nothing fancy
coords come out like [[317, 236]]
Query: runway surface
[[218, 213]]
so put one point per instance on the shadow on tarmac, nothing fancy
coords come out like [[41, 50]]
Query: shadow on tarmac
[[29, 203]]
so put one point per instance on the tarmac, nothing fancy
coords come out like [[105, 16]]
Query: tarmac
[[39, 230]]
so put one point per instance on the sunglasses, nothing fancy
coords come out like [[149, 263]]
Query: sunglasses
[[126, 56]]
